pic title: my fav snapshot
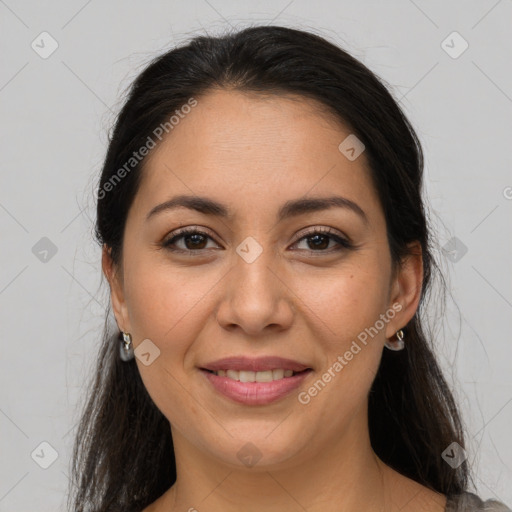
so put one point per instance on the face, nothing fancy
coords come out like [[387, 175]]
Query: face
[[268, 271]]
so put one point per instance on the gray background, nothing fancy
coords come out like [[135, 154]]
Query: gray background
[[56, 113]]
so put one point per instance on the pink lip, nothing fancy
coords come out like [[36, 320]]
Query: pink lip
[[254, 364], [255, 393]]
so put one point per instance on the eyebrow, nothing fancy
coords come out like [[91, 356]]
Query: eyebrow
[[289, 209]]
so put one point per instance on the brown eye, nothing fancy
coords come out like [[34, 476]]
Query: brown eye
[[319, 241], [194, 241], [187, 240]]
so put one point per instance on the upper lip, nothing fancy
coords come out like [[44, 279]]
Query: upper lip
[[255, 364]]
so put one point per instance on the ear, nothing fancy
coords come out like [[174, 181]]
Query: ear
[[406, 288], [116, 290]]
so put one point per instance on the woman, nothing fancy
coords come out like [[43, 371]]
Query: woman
[[268, 257]]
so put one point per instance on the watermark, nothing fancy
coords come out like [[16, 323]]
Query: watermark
[[454, 45], [249, 455], [507, 192], [146, 352], [44, 455], [304, 397], [455, 249], [44, 45], [454, 455], [351, 147], [144, 150], [44, 250], [249, 250]]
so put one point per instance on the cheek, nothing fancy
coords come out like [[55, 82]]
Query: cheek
[[169, 307], [162, 300], [348, 305], [347, 345], [346, 301]]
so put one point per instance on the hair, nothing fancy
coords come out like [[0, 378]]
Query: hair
[[123, 456]]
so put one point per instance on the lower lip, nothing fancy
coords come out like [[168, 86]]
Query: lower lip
[[255, 393]]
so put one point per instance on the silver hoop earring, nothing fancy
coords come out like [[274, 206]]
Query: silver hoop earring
[[126, 351], [397, 344]]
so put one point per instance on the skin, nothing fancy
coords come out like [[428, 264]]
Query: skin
[[252, 153]]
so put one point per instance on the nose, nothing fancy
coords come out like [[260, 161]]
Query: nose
[[256, 299]]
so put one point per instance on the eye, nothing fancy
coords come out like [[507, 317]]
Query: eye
[[319, 240], [190, 239]]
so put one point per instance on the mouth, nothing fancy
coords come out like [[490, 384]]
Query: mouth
[[255, 381], [255, 364], [251, 376]]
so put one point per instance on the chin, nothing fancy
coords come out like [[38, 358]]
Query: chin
[[263, 450]]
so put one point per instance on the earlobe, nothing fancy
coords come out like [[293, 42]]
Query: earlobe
[[116, 289], [406, 288]]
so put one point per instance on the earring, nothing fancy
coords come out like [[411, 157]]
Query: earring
[[397, 344], [126, 347]]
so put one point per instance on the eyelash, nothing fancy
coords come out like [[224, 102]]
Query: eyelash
[[343, 243]]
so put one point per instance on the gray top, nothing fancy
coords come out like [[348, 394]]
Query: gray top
[[469, 502]]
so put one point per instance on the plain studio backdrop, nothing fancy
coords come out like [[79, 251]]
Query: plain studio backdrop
[[63, 68]]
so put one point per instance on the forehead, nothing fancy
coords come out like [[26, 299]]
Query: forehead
[[232, 125], [249, 147]]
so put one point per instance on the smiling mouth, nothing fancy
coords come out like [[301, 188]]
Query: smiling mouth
[[251, 376]]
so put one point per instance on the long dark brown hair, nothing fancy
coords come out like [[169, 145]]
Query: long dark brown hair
[[123, 457]]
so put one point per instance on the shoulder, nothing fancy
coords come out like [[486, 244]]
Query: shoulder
[[470, 502]]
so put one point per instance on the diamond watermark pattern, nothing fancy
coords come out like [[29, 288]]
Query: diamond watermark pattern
[[44, 250], [249, 455], [454, 455], [454, 249], [147, 352], [249, 250], [44, 45], [44, 455], [351, 147], [454, 45]]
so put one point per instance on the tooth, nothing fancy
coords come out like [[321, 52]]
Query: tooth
[[233, 374], [250, 376], [277, 374], [247, 376], [265, 376]]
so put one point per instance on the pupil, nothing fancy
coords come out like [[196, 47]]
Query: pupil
[[318, 238], [196, 239]]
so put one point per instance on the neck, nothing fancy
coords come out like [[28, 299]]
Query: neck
[[345, 476]]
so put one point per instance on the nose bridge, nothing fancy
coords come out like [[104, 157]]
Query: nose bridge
[[255, 278], [255, 297]]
